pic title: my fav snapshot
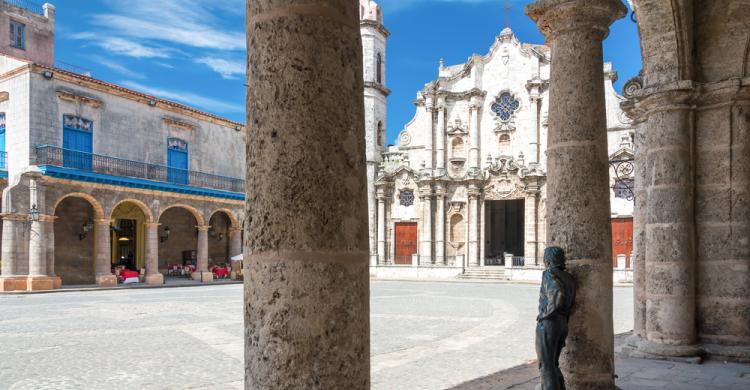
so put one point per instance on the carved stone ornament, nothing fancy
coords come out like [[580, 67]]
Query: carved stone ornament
[[406, 198], [457, 127], [404, 139], [405, 179], [504, 189]]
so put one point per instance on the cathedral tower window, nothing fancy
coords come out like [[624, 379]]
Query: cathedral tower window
[[505, 106], [381, 134], [379, 68]]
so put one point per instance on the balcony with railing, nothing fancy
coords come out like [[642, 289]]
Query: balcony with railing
[[27, 5], [72, 164]]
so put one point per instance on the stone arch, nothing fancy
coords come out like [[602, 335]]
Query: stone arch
[[144, 208], [231, 215], [98, 209], [199, 219], [666, 46]]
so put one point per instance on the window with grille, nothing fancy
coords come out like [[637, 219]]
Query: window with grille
[[17, 35]]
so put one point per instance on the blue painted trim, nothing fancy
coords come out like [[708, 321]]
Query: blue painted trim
[[4, 175], [92, 177]]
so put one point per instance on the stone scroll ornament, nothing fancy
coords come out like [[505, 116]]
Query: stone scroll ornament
[[556, 297]]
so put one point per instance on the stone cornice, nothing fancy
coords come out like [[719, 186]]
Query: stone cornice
[[378, 87], [179, 124], [555, 17], [78, 98], [376, 25], [116, 90]]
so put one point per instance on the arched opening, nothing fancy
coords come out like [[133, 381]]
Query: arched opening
[[128, 235], [381, 134], [178, 240], [457, 235], [379, 68], [457, 148], [74, 231], [218, 244]]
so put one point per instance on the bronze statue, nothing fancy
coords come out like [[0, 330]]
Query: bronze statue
[[556, 297]]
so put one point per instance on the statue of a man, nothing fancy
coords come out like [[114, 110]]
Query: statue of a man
[[556, 298]]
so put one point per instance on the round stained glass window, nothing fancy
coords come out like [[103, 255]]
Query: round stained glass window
[[505, 106]]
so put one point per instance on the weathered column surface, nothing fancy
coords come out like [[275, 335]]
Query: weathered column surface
[[38, 278], [381, 226], [153, 276], [307, 285], [49, 225], [578, 178], [473, 247], [235, 241], [474, 162], [440, 225], [425, 244], [201, 273], [440, 137], [430, 131], [103, 254], [530, 229], [13, 239]]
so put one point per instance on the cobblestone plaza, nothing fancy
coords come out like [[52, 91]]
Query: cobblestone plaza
[[424, 336]]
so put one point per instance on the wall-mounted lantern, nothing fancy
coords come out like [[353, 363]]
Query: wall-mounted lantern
[[165, 236], [85, 229]]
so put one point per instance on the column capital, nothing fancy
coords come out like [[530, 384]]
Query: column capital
[[440, 191], [235, 229], [203, 228], [556, 17], [14, 217], [103, 221], [151, 224], [47, 218], [674, 97]]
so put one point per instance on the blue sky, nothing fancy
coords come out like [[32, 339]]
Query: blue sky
[[193, 51]]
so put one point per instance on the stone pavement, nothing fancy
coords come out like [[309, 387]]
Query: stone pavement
[[425, 335]]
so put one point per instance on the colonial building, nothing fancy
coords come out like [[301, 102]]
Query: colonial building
[[100, 175], [465, 185]]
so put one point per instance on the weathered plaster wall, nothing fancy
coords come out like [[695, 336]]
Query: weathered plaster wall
[[74, 257]]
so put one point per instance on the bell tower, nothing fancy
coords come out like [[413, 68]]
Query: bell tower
[[374, 38]]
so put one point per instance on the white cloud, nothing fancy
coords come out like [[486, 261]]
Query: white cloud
[[189, 98], [228, 69], [119, 68], [122, 46]]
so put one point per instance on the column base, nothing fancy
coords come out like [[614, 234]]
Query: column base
[[57, 281], [203, 277], [13, 283], [154, 279], [106, 280], [40, 283]]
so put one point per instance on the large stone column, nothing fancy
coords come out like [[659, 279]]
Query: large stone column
[[578, 177], [670, 228], [307, 286], [430, 131], [440, 137], [103, 254], [12, 252], [153, 276], [440, 225], [473, 234], [202, 274], [382, 196], [38, 279], [531, 203], [638, 260], [235, 241], [425, 247], [474, 152], [49, 224]]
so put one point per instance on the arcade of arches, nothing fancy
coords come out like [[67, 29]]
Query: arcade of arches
[[692, 220], [84, 236]]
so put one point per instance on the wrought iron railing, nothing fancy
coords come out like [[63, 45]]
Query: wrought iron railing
[[27, 5], [3, 161], [113, 166], [519, 261], [623, 186]]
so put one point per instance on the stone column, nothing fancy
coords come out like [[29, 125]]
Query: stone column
[[440, 139], [440, 225], [578, 188], [472, 234], [428, 151], [425, 248], [12, 278], [38, 279], [103, 254], [307, 285], [49, 224], [530, 234], [381, 226], [235, 248], [670, 227], [153, 276], [474, 136], [638, 260], [202, 274]]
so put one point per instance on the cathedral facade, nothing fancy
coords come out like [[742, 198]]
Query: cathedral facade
[[464, 187]]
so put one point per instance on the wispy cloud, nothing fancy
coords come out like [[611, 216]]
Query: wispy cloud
[[228, 69], [189, 98], [122, 46], [118, 67]]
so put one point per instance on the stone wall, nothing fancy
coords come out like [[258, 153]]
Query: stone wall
[[39, 34], [74, 255]]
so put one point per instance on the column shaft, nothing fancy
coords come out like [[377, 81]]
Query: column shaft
[[638, 262], [578, 178], [153, 276], [474, 137], [103, 254], [381, 229], [50, 227], [530, 234], [307, 283], [440, 227], [9, 253], [428, 149], [235, 242], [37, 249], [425, 250], [473, 249], [202, 250], [440, 139]]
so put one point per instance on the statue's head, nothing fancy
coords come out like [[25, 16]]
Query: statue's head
[[554, 257]]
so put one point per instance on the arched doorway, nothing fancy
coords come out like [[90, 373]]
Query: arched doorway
[[74, 231], [178, 239], [128, 235], [218, 239]]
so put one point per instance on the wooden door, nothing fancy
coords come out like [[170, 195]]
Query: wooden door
[[406, 242], [622, 239]]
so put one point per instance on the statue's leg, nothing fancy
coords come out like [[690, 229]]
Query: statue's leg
[[563, 334], [546, 347]]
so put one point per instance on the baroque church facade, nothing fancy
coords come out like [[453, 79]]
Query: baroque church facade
[[464, 187]]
